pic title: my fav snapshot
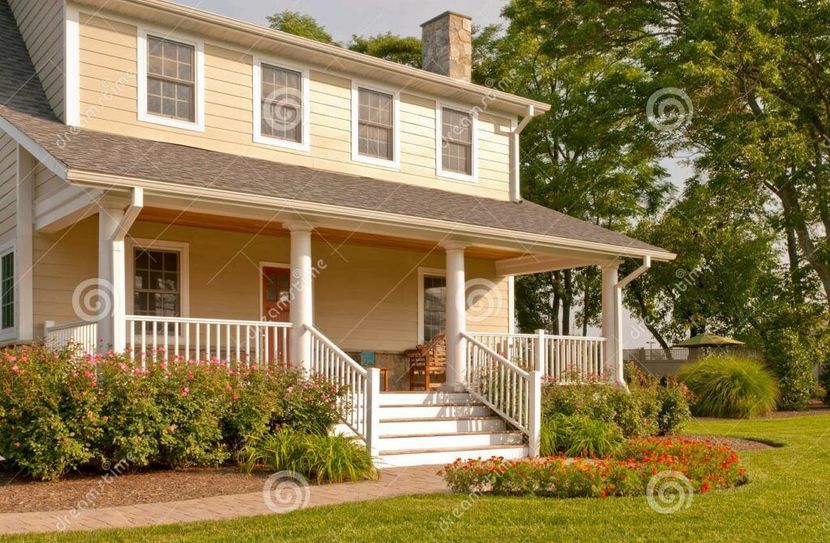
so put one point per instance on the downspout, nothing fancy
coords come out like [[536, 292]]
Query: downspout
[[515, 155], [618, 297]]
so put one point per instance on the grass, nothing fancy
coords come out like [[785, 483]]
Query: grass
[[787, 499]]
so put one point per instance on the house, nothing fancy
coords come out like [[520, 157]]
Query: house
[[173, 179]]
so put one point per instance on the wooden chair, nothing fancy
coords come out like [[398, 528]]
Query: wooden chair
[[428, 364]]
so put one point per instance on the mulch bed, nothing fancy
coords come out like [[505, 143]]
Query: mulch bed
[[18, 494], [735, 443]]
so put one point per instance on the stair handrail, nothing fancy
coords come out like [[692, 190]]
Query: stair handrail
[[361, 413], [512, 393]]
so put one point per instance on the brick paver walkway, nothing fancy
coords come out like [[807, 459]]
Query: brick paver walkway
[[393, 482]]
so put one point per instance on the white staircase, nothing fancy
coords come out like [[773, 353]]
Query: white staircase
[[423, 428]]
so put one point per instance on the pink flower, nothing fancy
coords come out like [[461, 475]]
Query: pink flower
[[16, 444], [185, 392], [173, 427]]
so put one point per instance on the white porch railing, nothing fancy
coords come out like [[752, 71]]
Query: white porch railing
[[512, 392], [82, 334], [361, 408], [262, 342], [559, 358]]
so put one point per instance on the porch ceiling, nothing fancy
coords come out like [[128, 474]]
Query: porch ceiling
[[276, 228]]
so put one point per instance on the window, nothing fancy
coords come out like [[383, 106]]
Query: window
[[455, 134], [457, 141], [435, 303], [157, 283], [170, 81], [7, 291], [281, 114], [375, 126]]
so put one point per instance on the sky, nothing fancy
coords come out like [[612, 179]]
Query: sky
[[371, 17], [361, 17]]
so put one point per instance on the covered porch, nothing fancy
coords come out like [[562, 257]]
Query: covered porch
[[282, 289]]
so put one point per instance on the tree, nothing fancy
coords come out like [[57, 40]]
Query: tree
[[588, 157], [299, 24], [403, 50]]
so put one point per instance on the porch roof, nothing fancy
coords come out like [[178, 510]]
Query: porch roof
[[76, 154]]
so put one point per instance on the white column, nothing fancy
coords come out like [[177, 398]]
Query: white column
[[111, 279], [302, 300], [23, 259], [612, 322], [456, 315]]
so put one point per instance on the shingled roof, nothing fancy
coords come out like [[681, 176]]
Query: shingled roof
[[25, 106]]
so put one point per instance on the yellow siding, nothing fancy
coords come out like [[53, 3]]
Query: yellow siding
[[365, 298], [109, 102], [41, 23], [8, 188]]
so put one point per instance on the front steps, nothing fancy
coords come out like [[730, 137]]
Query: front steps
[[423, 428]]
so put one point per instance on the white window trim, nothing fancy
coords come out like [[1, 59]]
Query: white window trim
[[183, 248], [305, 144], [439, 138], [199, 107], [395, 163], [425, 272], [7, 334]]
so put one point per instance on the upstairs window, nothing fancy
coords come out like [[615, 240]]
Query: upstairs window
[[171, 79], [457, 142], [281, 114], [376, 126]]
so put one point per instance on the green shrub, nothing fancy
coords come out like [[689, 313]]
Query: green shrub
[[60, 412], [635, 412], [322, 458], [728, 386], [793, 358], [675, 409], [824, 379], [49, 411], [579, 435]]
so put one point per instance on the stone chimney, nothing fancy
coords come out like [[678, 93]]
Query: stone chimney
[[448, 45]]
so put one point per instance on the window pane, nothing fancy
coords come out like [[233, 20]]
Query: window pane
[[7, 291], [156, 283], [282, 103], [171, 79], [457, 141], [435, 296], [375, 124]]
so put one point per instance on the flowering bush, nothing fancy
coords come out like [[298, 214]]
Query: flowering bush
[[60, 412], [705, 464]]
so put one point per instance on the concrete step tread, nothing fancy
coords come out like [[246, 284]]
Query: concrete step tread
[[454, 449], [448, 434], [441, 419]]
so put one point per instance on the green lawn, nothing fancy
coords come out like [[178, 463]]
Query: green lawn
[[787, 499]]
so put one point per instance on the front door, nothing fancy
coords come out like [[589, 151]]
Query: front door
[[276, 307]]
